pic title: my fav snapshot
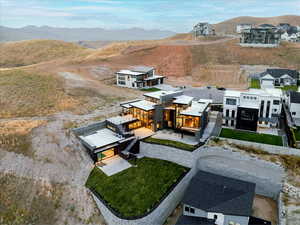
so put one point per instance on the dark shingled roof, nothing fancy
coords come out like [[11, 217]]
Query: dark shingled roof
[[215, 193], [295, 97], [277, 73], [192, 220]]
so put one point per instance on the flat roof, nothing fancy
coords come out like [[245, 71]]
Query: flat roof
[[196, 109], [118, 120], [101, 138], [158, 94], [144, 69], [232, 93], [130, 72], [144, 105], [183, 99]]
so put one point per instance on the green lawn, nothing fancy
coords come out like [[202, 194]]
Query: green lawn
[[255, 83], [150, 89], [136, 190], [170, 143], [252, 137], [297, 134], [290, 88]]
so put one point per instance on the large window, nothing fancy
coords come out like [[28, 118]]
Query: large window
[[276, 102], [230, 101]]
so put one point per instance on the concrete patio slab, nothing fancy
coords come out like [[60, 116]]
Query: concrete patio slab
[[114, 165], [143, 132]]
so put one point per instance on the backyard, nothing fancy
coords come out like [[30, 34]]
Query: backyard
[[255, 83], [135, 191], [170, 143], [251, 136]]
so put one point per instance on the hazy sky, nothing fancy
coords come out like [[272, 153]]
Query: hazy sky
[[176, 15]]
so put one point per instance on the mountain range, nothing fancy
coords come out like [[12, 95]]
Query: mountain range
[[77, 34]]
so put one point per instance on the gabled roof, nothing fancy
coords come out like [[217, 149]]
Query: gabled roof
[[192, 220], [295, 97], [215, 193], [277, 73]]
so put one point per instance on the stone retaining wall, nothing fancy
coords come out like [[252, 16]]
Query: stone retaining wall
[[268, 148], [160, 214], [181, 157]]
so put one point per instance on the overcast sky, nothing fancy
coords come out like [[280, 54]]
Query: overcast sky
[[175, 15]]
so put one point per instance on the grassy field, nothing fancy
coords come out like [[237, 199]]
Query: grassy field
[[171, 143], [150, 89], [255, 83], [290, 88], [23, 53], [252, 137], [24, 201], [30, 94], [297, 134], [136, 190]]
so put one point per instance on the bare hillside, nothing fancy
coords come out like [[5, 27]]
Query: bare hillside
[[229, 26], [23, 53]]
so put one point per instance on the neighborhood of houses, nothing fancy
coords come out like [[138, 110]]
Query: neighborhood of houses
[[186, 118], [263, 35]]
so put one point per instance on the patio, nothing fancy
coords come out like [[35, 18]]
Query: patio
[[171, 135], [143, 132], [113, 165]]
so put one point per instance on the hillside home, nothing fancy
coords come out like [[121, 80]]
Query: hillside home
[[244, 26], [170, 110], [251, 109], [203, 29], [213, 199], [263, 36], [138, 77], [278, 78], [293, 103], [108, 138]]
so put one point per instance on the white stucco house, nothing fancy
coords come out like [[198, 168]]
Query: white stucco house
[[294, 106], [138, 77], [278, 78], [249, 110]]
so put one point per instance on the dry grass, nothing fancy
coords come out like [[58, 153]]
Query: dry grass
[[24, 201], [15, 135], [22, 53], [230, 53], [31, 94]]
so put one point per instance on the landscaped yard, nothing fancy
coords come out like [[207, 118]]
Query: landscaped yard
[[251, 136], [255, 83], [290, 88], [135, 191], [297, 134], [150, 89], [171, 143]]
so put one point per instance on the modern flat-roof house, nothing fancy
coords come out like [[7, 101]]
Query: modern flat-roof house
[[203, 29], [108, 138], [263, 36], [169, 110], [213, 199], [251, 109], [278, 78], [294, 107], [138, 77], [241, 27]]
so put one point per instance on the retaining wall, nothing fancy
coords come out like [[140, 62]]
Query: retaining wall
[[260, 45], [181, 157], [279, 150], [160, 214]]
